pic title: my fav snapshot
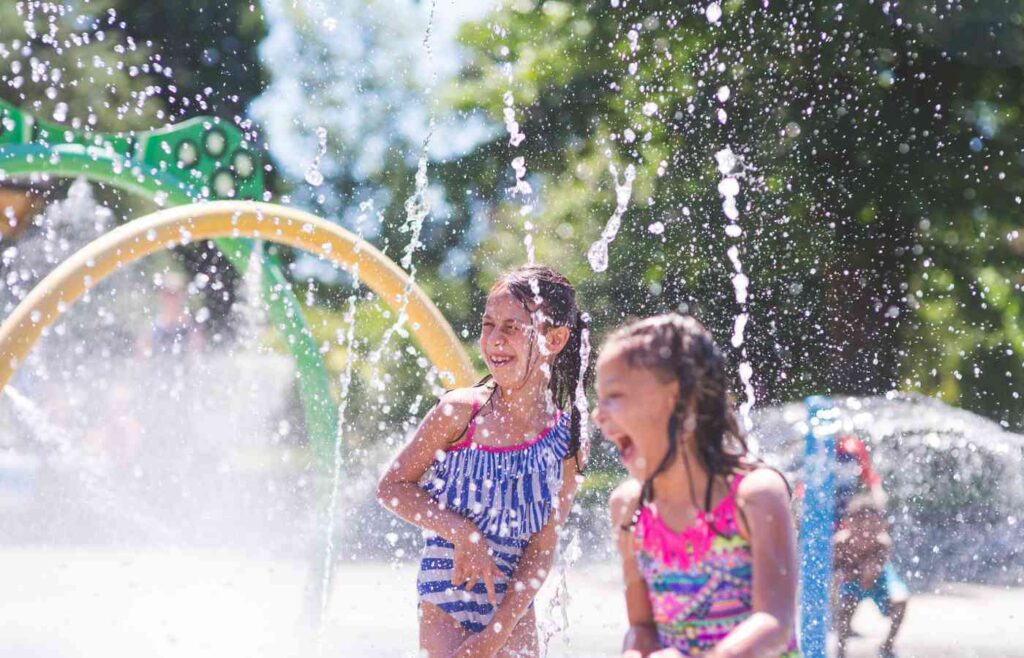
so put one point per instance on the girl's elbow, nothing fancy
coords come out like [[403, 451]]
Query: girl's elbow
[[385, 492], [779, 632], [783, 635], [768, 634], [786, 618]]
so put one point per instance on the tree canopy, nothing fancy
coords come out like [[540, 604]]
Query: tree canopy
[[858, 163], [878, 169]]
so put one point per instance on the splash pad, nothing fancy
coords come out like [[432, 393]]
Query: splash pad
[[204, 170], [234, 219], [170, 176], [201, 159]]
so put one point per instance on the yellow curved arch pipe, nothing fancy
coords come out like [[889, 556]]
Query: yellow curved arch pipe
[[173, 226]]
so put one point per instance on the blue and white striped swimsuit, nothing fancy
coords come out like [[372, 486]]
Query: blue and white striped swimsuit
[[508, 493]]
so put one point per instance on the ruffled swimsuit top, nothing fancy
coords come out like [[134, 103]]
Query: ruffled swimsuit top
[[700, 580]]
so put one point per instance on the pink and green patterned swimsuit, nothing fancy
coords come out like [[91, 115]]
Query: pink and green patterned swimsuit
[[698, 580]]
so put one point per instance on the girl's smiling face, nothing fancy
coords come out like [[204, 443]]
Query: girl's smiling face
[[633, 409], [510, 342]]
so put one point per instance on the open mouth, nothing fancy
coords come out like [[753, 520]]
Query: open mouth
[[625, 446], [499, 361]]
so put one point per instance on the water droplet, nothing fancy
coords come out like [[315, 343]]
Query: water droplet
[[729, 187], [314, 177], [598, 256], [60, 112], [727, 161], [713, 12]]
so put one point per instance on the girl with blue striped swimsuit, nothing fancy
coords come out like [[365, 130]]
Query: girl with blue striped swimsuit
[[491, 472]]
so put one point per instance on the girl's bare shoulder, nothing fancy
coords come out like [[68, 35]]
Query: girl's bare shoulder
[[460, 398], [762, 487], [456, 407]]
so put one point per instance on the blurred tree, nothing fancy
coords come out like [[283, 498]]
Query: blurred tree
[[350, 110], [209, 52], [877, 146], [210, 48], [877, 161], [71, 64]]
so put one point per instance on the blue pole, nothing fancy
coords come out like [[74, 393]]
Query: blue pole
[[816, 525]]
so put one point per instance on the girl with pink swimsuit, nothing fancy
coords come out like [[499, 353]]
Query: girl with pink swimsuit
[[711, 574]]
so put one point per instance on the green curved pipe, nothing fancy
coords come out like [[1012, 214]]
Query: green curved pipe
[[106, 166]]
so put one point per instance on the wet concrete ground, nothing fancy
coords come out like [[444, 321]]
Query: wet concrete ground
[[78, 603]]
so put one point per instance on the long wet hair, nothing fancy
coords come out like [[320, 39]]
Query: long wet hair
[[677, 347], [550, 299]]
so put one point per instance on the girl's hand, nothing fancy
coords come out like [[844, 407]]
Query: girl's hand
[[473, 564], [481, 645]]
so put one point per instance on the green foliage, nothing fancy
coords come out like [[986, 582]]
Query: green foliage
[[69, 64], [880, 186], [408, 391], [880, 182], [210, 48]]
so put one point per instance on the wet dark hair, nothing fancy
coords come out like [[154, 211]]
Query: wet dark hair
[[678, 348], [550, 298]]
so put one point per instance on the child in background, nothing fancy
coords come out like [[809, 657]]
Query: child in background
[[705, 536], [863, 571], [854, 475], [492, 471]]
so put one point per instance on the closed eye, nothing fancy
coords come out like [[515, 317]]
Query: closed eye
[[609, 396], [513, 327]]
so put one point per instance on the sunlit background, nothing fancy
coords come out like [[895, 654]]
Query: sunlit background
[[834, 189]]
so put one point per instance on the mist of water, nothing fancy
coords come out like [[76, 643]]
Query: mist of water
[[955, 482]]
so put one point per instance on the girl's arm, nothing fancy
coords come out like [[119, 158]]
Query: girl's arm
[[642, 637], [533, 569], [399, 490], [764, 499]]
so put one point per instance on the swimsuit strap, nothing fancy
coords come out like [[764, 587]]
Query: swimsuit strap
[[466, 438], [471, 428], [735, 485]]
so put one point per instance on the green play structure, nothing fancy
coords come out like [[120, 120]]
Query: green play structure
[[202, 159]]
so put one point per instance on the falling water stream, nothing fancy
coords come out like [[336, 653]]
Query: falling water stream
[[417, 209], [598, 253], [339, 441]]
